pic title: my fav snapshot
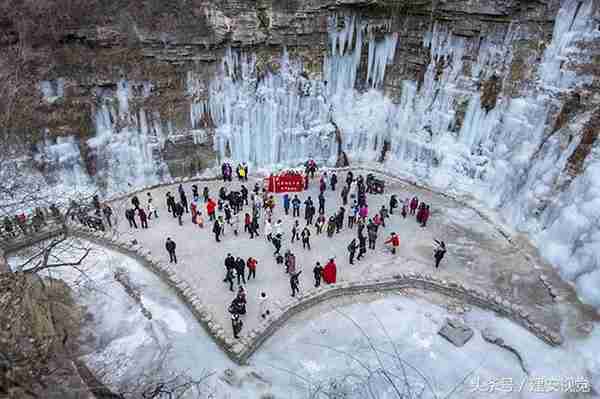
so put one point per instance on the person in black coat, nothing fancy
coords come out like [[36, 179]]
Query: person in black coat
[[439, 252], [171, 204], [393, 203], [130, 216], [107, 211], [183, 200], [240, 267], [339, 221], [295, 282], [362, 246], [229, 268], [318, 273], [178, 213], [277, 243], [352, 250], [236, 325], [217, 230], [321, 203], [333, 181], [170, 246], [135, 201]]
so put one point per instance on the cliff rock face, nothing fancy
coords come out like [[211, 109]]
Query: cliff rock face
[[493, 99]]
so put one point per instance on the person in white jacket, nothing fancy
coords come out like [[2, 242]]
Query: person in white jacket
[[268, 229], [279, 227]]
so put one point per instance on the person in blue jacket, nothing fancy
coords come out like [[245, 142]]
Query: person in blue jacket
[[286, 203]]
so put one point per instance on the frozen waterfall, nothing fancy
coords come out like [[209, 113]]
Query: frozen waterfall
[[127, 142], [438, 131]]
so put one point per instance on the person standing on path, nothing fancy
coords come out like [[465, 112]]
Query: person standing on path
[[439, 252], [393, 203], [352, 214], [236, 325], [330, 272], [278, 228], [425, 216], [217, 230], [205, 194], [362, 246], [179, 213], [372, 234], [344, 194], [229, 268], [414, 203], [339, 222], [171, 204], [286, 203], [235, 223], [320, 223], [251, 265], [383, 214], [306, 238], [321, 203], [183, 199], [393, 243], [254, 227], [296, 231], [143, 218], [352, 250], [130, 216], [210, 209], [277, 243], [318, 273], [240, 267], [170, 246], [135, 202], [296, 207], [107, 211], [295, 282], [333, 181], [268, 230]]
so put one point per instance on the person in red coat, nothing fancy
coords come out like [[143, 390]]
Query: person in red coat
[[193, 209], [210, 208], [414, 203], [424, 216], [330, 272], [393, 242]]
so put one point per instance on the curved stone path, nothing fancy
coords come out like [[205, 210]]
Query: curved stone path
[[526, 290]]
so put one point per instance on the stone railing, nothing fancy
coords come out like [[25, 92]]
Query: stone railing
[[241, 350], [28, 233]]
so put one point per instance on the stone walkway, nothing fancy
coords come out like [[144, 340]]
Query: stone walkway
[[478, 255]]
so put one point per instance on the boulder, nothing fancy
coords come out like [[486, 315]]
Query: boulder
[[456, 332]]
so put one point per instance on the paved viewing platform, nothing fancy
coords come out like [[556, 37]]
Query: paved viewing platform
[[485, 266]]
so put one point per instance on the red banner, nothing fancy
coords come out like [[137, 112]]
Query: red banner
[[285, 183]]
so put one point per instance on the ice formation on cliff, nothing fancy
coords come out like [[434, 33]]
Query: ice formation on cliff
[[501, 155], [127, 141]]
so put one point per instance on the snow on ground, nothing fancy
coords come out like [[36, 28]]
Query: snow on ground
[[315, 348], [324, 345]]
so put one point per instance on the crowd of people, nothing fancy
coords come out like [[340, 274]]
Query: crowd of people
[[27, 223], [228, 209]]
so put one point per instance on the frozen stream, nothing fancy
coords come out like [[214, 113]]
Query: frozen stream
[[318, 348]]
